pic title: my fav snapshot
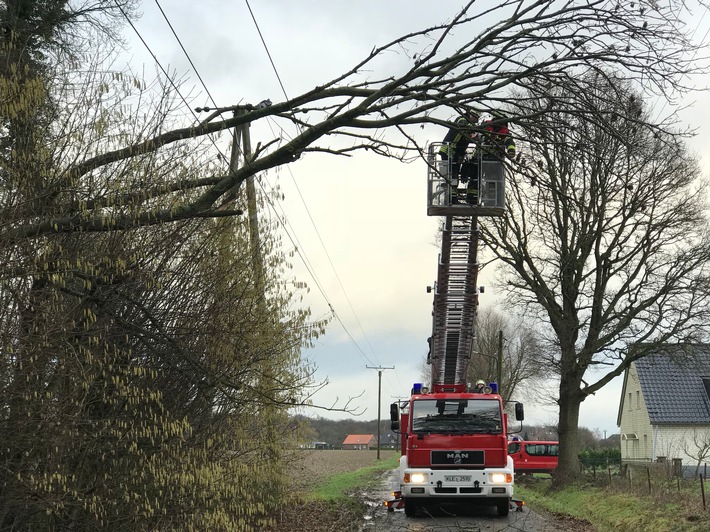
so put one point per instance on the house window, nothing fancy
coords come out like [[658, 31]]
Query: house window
[[706, 383], [638, 400], [630, 406]]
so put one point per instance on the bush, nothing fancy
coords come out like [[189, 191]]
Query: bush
[[600, 458]]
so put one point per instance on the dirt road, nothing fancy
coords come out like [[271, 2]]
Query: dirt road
[[456, 518], [312, 466]]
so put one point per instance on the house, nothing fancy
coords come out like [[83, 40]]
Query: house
[[360, 442], [389, 440], [664, 412], [317, 445]]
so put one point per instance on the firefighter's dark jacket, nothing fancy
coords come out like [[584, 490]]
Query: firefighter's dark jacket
[[457, 139]]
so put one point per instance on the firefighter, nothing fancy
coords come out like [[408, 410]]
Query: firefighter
[[496, 143], [480, 384], [457, 139], [497, 139]]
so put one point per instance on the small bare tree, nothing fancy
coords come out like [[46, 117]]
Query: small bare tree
[[698, 448], [517, 353]]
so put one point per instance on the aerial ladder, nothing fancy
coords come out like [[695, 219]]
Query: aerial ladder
[[456, 287]]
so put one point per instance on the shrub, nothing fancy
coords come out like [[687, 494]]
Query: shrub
[[600, 458]]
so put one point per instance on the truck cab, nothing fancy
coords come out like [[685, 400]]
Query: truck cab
[[454, 450]]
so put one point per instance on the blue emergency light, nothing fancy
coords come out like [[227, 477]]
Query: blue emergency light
[[494, 387], [417, 388]]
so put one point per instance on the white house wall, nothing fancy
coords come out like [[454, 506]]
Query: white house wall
[[687, 442], [637, 441]]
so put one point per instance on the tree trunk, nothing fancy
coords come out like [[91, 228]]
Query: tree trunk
[[570, 401]]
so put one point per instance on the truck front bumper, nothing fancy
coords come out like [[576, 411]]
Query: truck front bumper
[[458, 483]]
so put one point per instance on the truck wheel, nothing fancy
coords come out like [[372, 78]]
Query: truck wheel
[[503, 508], [410, 508]]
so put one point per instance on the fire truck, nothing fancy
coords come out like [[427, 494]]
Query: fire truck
[[454, 439]]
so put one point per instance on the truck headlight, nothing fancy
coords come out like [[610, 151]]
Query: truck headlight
[[415, 478], [501, 478]]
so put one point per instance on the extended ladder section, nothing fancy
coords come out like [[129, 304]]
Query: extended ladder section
[[455, 301]]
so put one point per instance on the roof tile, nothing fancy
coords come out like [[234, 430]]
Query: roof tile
[[357, 439], [672, 384]]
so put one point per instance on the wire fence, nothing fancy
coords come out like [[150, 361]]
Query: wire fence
[[665, 480]]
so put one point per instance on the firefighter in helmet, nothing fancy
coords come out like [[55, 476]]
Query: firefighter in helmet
[[496, 142], [454, 145]]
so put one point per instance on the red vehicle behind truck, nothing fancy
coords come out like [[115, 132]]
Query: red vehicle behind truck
[[534, 456]]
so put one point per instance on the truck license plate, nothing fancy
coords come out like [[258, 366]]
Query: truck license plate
[[457, 478]]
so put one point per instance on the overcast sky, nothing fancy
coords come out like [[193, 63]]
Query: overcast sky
[[360, 223]]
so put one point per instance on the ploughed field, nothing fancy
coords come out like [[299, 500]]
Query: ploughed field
[[315, 466], [310, 468]]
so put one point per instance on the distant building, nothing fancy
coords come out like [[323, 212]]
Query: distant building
[[360, 442], [318, 445]]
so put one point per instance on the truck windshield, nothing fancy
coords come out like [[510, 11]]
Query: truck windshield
[[456, 416]]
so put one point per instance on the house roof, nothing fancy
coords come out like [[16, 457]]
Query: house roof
[[672, 384], [357, 439]]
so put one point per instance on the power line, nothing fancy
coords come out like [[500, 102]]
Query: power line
[[303, 201], [266, 48], [155, 58], [291, 237], [168, 77], [185, 52]]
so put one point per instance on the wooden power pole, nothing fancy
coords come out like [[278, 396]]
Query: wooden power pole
[[379, 369]]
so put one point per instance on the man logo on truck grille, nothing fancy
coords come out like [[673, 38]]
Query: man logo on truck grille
[[458, 457]]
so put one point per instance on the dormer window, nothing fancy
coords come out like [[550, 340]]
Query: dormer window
[[706, 383]]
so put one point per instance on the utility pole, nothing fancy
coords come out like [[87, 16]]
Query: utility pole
[[241, 146], [379, 369], [255, 243], [500, 360]]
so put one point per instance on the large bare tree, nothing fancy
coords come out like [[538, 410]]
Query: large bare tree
[[606, 244], [515, 44]]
